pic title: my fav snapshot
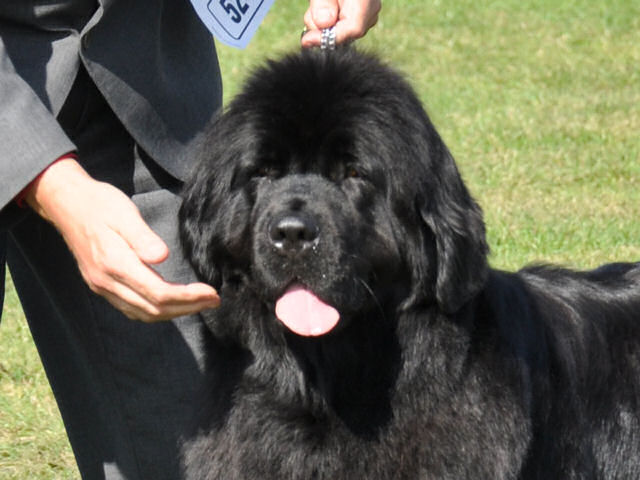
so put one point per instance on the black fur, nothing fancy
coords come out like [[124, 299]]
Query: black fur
[[440, 367]]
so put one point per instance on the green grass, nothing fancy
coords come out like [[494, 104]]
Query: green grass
[[539, 101], [33, 444]]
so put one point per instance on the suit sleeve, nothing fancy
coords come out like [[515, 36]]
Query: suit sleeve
[[30, 137]]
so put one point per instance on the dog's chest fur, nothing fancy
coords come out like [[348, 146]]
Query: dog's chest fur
[[295, 424]]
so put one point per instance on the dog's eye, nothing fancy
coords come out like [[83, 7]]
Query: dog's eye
[[345, 172], [265, 171], [351, 172]]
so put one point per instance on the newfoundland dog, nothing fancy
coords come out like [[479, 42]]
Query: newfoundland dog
[[362, 334]]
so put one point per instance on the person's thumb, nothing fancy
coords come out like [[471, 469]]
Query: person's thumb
[[147, 244], [324, 13]]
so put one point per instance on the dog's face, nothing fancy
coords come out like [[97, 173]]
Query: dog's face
[[325, 184]]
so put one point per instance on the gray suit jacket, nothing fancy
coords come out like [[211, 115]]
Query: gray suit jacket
[[153, 61]]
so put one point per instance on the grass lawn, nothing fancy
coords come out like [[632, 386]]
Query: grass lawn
[[539, 101]]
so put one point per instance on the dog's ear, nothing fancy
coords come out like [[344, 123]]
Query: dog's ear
[[195, 230], [455, 222]]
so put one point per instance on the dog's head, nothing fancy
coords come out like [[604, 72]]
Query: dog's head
[[325, 182]]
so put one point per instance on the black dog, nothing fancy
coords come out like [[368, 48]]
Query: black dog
[[362, 334]]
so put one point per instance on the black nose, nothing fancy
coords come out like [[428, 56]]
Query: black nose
[[293, 233]]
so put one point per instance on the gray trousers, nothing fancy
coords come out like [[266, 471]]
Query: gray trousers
[[124, 388]]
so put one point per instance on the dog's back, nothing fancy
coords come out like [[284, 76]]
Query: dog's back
[[584, 361]]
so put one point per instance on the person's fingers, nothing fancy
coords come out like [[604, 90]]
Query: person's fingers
[[321, 14], [131, 304], [159, 293], [142, 294], [136, 307], [354, 19]]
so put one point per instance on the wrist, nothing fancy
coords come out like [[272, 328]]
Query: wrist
[[62, 178], [21, 197]]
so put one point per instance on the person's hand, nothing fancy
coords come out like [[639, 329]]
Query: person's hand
[[351, 18], [113, 245]]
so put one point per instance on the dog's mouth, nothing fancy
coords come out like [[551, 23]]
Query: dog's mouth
[[302, 312]]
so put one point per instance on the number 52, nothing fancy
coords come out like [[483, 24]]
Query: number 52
[[236, 11]]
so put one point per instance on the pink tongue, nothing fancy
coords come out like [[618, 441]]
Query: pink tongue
[[305, 314]]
